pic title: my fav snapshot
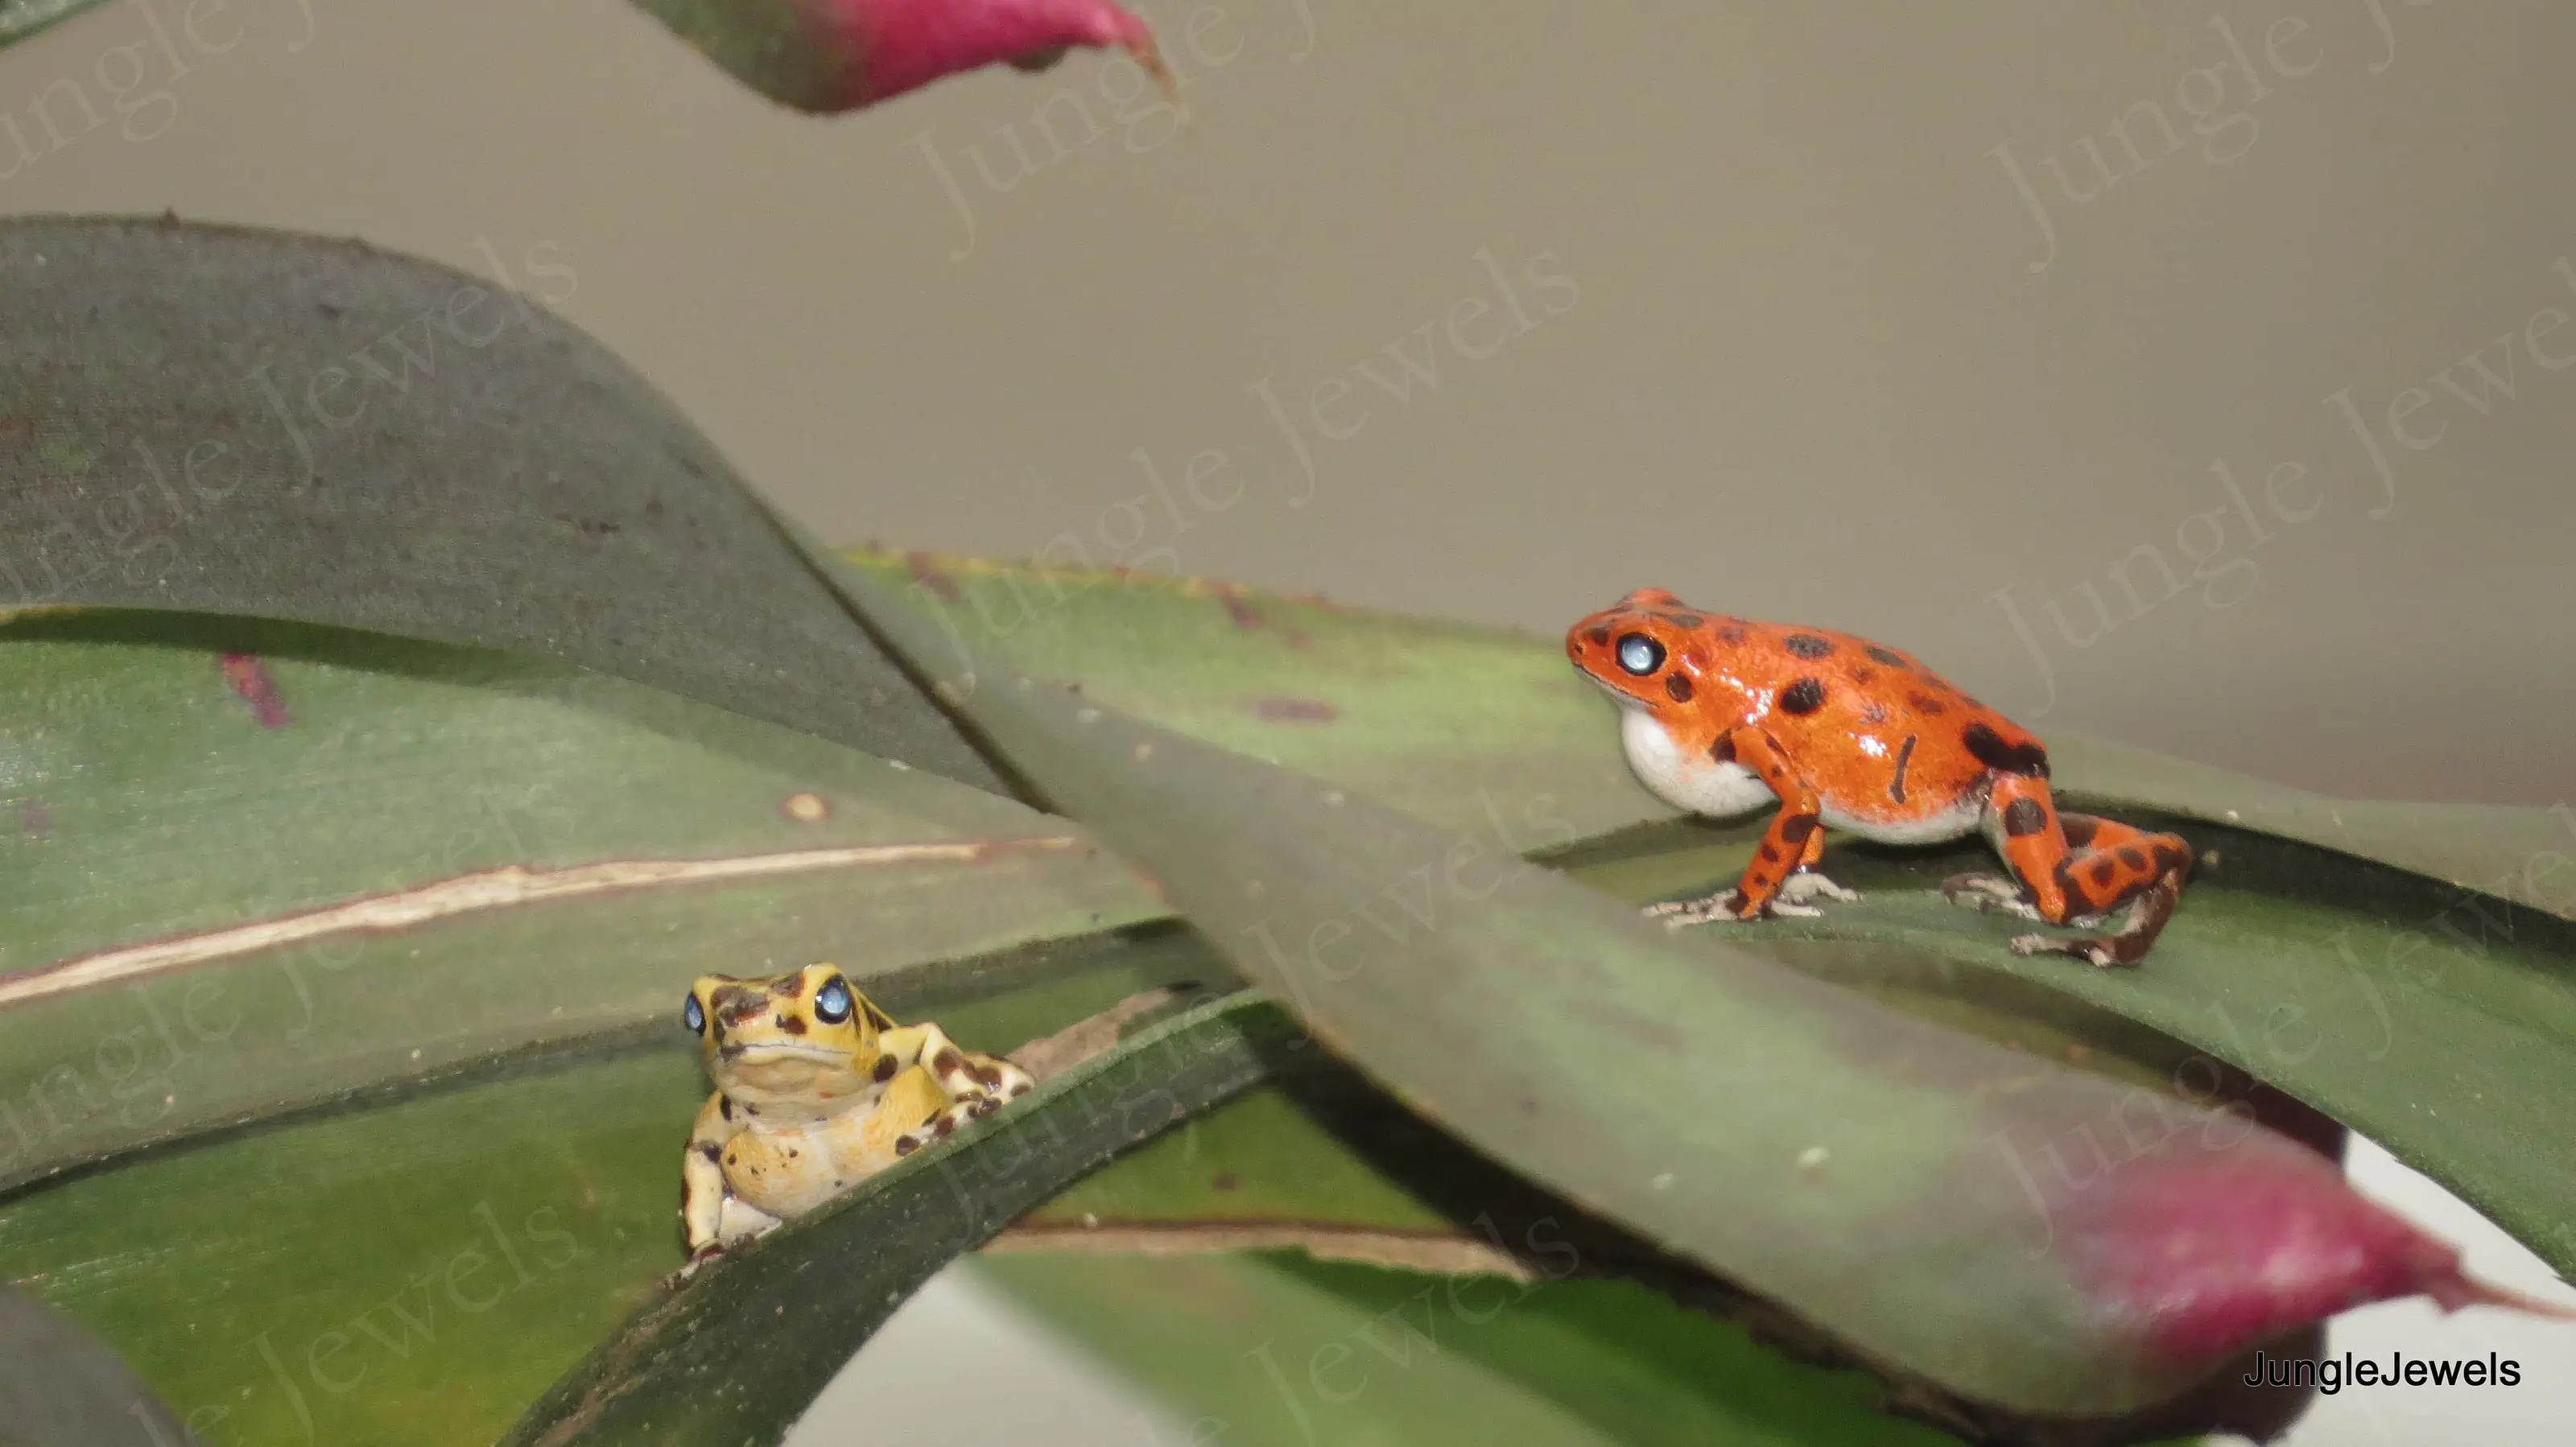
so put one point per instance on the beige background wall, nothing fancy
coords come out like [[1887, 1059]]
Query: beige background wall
[[1796, 344]]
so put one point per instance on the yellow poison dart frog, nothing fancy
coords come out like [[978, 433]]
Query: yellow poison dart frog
[[816, 1089]]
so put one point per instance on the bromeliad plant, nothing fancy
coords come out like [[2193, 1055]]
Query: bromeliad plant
[[379, 781]]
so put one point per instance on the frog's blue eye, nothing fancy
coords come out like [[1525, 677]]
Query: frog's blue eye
[[1640, 654], [694, 1015], [832, 1002]]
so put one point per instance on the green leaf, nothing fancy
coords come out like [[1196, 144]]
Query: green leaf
[[734, 1355], [232, 421], [428, 857], [1675, 1086]]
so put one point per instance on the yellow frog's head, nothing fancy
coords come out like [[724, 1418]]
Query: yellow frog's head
[[800, 1044]]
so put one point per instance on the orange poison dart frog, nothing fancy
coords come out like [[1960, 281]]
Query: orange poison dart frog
[[1724, 715]]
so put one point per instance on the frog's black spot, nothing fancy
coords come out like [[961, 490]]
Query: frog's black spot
[[2078, 828], [1904, 756], [2102, 871], [1723, 751], [2133, 857], [984, 1106], [878, 1017], [1926, 704], [1600, 636], [885, 1068], [788, 988], [1807, 645], [906, 1145], [947, 1126], [1770, 855], [1888, 656], [792, 1024], [1795, 829], [2024, 817], [2026, 758], [988, 1075], [1730, 634], [791, 1153], [2171, 856], [1802, 697], [1678, 686], [724, 1106], [1683, 620], [711, 1151], [946, 1062]]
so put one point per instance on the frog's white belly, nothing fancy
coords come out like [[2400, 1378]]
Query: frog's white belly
[[1686, 780], [1691, 780]]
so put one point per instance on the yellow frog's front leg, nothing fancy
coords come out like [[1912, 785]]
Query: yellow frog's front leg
[[964, 1075], [713, 1216]]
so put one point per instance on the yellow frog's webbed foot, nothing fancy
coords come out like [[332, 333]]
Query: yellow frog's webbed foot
[[737, 1221]]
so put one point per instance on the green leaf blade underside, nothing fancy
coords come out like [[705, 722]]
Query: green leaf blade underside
[[257, 423], [181, 795], [1672, 1087], [680, 1372]]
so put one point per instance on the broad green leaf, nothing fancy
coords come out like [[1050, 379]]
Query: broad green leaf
[[245, 866], [413, 1272], [220, 420], [1676, 1087], [734, 1355]]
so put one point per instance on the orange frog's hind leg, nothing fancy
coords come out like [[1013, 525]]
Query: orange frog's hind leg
[[2076, 868]]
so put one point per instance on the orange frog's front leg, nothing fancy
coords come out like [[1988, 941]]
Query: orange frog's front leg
[[2075, 869], [1782, 877]]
